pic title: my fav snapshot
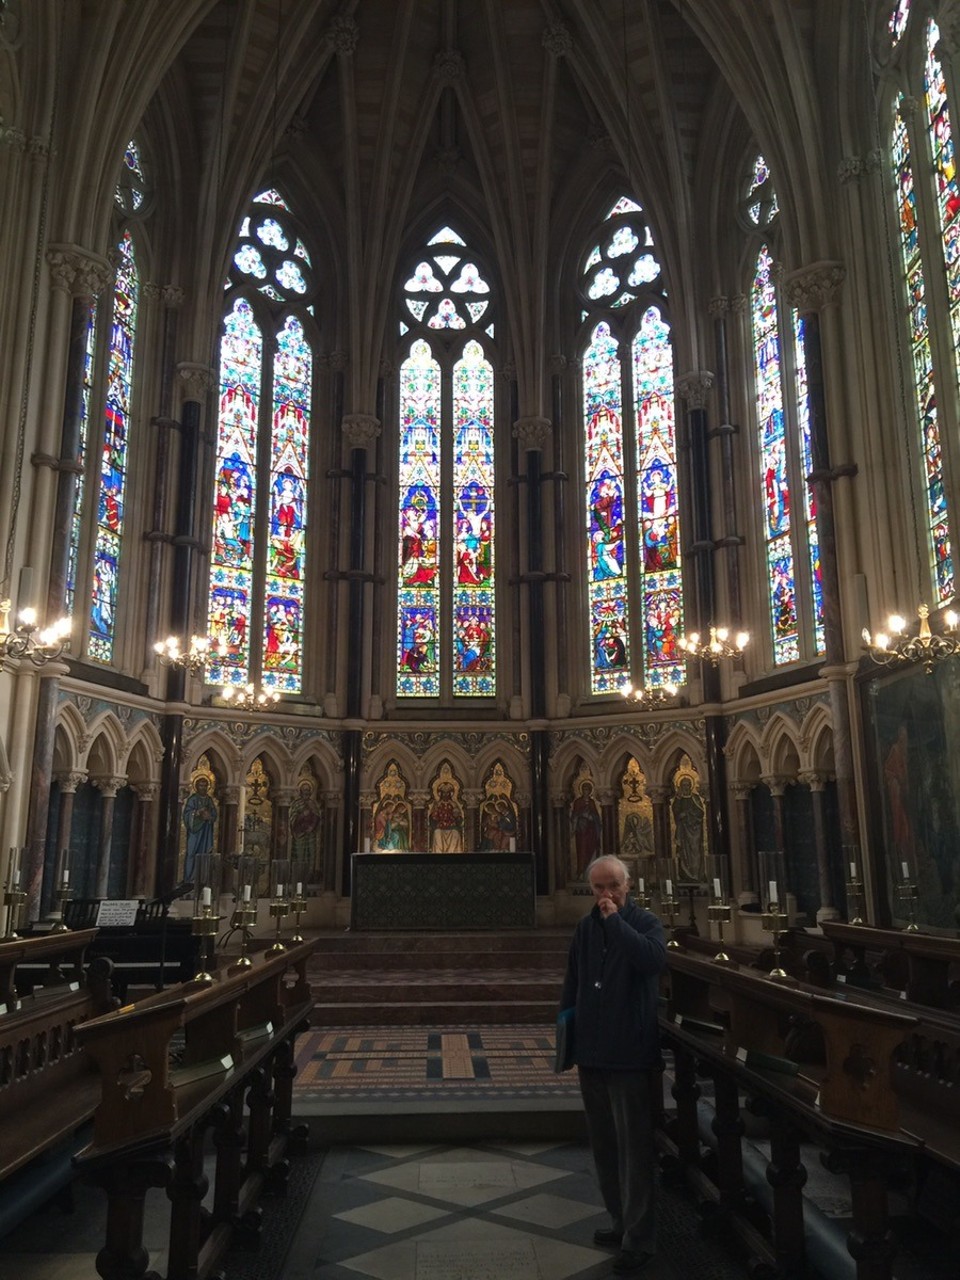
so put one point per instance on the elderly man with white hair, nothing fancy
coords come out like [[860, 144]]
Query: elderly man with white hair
[[616, 955]]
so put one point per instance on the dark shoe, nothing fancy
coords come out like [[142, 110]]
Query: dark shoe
[[607, 1238], [630, 1261]]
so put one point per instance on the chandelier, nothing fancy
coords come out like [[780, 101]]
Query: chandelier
[[926, 647], [650, 697], [249, 697], [199, 652], [27, 640], [720, 645]]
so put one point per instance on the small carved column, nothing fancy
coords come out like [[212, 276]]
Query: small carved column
[[186, 1192], [418, 836], [365, 828], [108, 788], [561, 839], [608, 820], [123, 1256], [228, 1139], [686, 1094], [660, 797], [282, 799], [229, 834], [777, 786], [331, 814], [68, 783], [471, 823], [787, 1176], [747, 854], [523, 799], [817, 784], [140, 875]]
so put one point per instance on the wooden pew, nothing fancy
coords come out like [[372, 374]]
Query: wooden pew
[[819, 1068], [175, 1067], [48, 1087]]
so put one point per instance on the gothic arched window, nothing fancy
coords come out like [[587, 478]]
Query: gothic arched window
[[921, 148], [631, 507], [446, 608], [790, 544], [256, 600]]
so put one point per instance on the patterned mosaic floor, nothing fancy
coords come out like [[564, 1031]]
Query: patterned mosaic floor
[[446, 1063]]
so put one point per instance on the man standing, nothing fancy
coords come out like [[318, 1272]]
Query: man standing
[[615, 956]]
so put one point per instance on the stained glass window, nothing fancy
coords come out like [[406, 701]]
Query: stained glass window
[[898, 19], [89, 352], [113, 463], [446, 607], [257, 594], [631, 507]]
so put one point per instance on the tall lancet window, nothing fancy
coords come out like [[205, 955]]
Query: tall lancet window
[[789, 528], [114, 453], [257, 592], [926, 196], [446, 615], [631, 507]]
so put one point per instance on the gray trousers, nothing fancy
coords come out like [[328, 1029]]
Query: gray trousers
[[620, 1127]]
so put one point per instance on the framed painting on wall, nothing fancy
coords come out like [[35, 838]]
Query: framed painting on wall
[[911, 729]]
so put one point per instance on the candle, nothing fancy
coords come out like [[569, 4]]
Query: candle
[[716, 887], [16, 878], [366, 845], [65, 882], [205, 898], [906, 871], [279, 890], [640, 884], [669, 884], [853, 871], [299, 889], [246, 893], [513, 844], [772, 889]]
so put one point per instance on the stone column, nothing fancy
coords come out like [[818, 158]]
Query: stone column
[[68, 783], [228, 837], [108, 788], [282, 799], [419, 836], [777, 785], [747, 855], [471, 825], [815, 292], [561, 839], [140, 875], [365, 827], [608, 820], [730, 541], [817, 783], [660, 798], [331, 812]]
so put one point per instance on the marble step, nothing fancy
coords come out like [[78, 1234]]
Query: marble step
[[464, 957], [533, 942], [439, 986]]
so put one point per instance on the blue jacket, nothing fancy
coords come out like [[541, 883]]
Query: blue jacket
[[612, 980]]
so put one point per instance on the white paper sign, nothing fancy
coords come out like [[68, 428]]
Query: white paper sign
[[118, 913]]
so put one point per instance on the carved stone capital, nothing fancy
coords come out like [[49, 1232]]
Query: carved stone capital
[[16, 139], [146, 792], [557, 364], [196, 380], [107, 785], [695, 387], [360, 429], [557, 39], [815, 287], [343, 35], [533, 432], [776, 782], [284, 796], [449, 66], [741, 791], [659, 793], [338, 361], [230, 794], [738, 304], [718, 306], [168, 295], [38, 150], [813, 779], [77, 271], [851, 168], [68, 782]]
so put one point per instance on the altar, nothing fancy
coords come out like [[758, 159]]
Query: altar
[[442, 891]]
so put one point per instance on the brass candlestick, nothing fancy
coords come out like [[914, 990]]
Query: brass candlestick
[[13, 900], [855, 891], [668, 907], [205, 926], [63, 897], [298, 904], [774, 920], [279, 909], [907, 893], [242, 920], [718, 913]]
